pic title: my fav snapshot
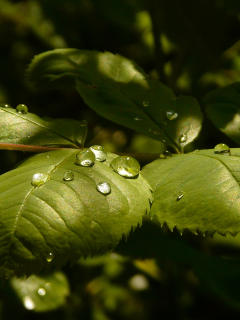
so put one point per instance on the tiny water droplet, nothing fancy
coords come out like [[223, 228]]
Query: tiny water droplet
[[5, 105], [100, 153], [183, 138], [49, 257], [165, 155], [125, 166], [145, 104], [48, 157], [157, 131], [137, 118], [83, 123], [68, 176], [196, 151], [181, 194], [22, 109], [85, 158], [40, 178], [104, 188], [171, 115], [28, 303], [41, 291], [222, 149]]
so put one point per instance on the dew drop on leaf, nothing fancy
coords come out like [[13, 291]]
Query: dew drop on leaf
[[41, 291], [104, 188], [49, 257], [83, 123], [85, 158], [28, 303], [182, 138], [222, 148], [125, 166], [145, 104], [156, 131], [100, 153], [5, 105], [68, 176], [40, 178], [22, 109], [166, 155], [171, 115], [137, 118], [181, 194]]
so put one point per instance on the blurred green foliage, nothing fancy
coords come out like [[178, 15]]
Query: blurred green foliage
[[191, 46]]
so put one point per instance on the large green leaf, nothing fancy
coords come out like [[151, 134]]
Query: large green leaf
[[42, 293], [29, 129], [223, 109], [62, 220], [199, 191], [119, 90]]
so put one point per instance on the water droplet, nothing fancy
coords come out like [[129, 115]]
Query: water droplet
[[39, 179], [100, 153], [22, 109], [125, 166], [222, 148], [165, 155], [139, 282], [48, 157], [49, 257], [83, 123], [137, 118], [181, 194], [104, 188], [41, 291], [85, 158], [196, 151], [145, 104], [171, 115], [182, 138], [68, 176], [5, 105], [157, 131], [28, 303]]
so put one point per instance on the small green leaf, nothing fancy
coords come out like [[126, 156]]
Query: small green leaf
[[42, 293], [223, 109], [29, 129], [198, 191], [119, 90], [62, 219]]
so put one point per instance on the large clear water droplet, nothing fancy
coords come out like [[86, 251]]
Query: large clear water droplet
[[104, 188], [40, 178], [49, 257], [85, 158], [22, 109], [137, 118], [171, 115], [157, 131], [28, 303], [68, 176], [41, 291], [145, 104], [165, 155], [100, 153], [222, 148], [183, 138], [180, 195], [125, 166]]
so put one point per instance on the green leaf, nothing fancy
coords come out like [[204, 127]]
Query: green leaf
[[62, 220], [223, 109], [198, 191], [42, 293], [29, 129], [119, 90]]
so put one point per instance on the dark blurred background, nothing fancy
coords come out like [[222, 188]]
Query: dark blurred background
[[191, 46]]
